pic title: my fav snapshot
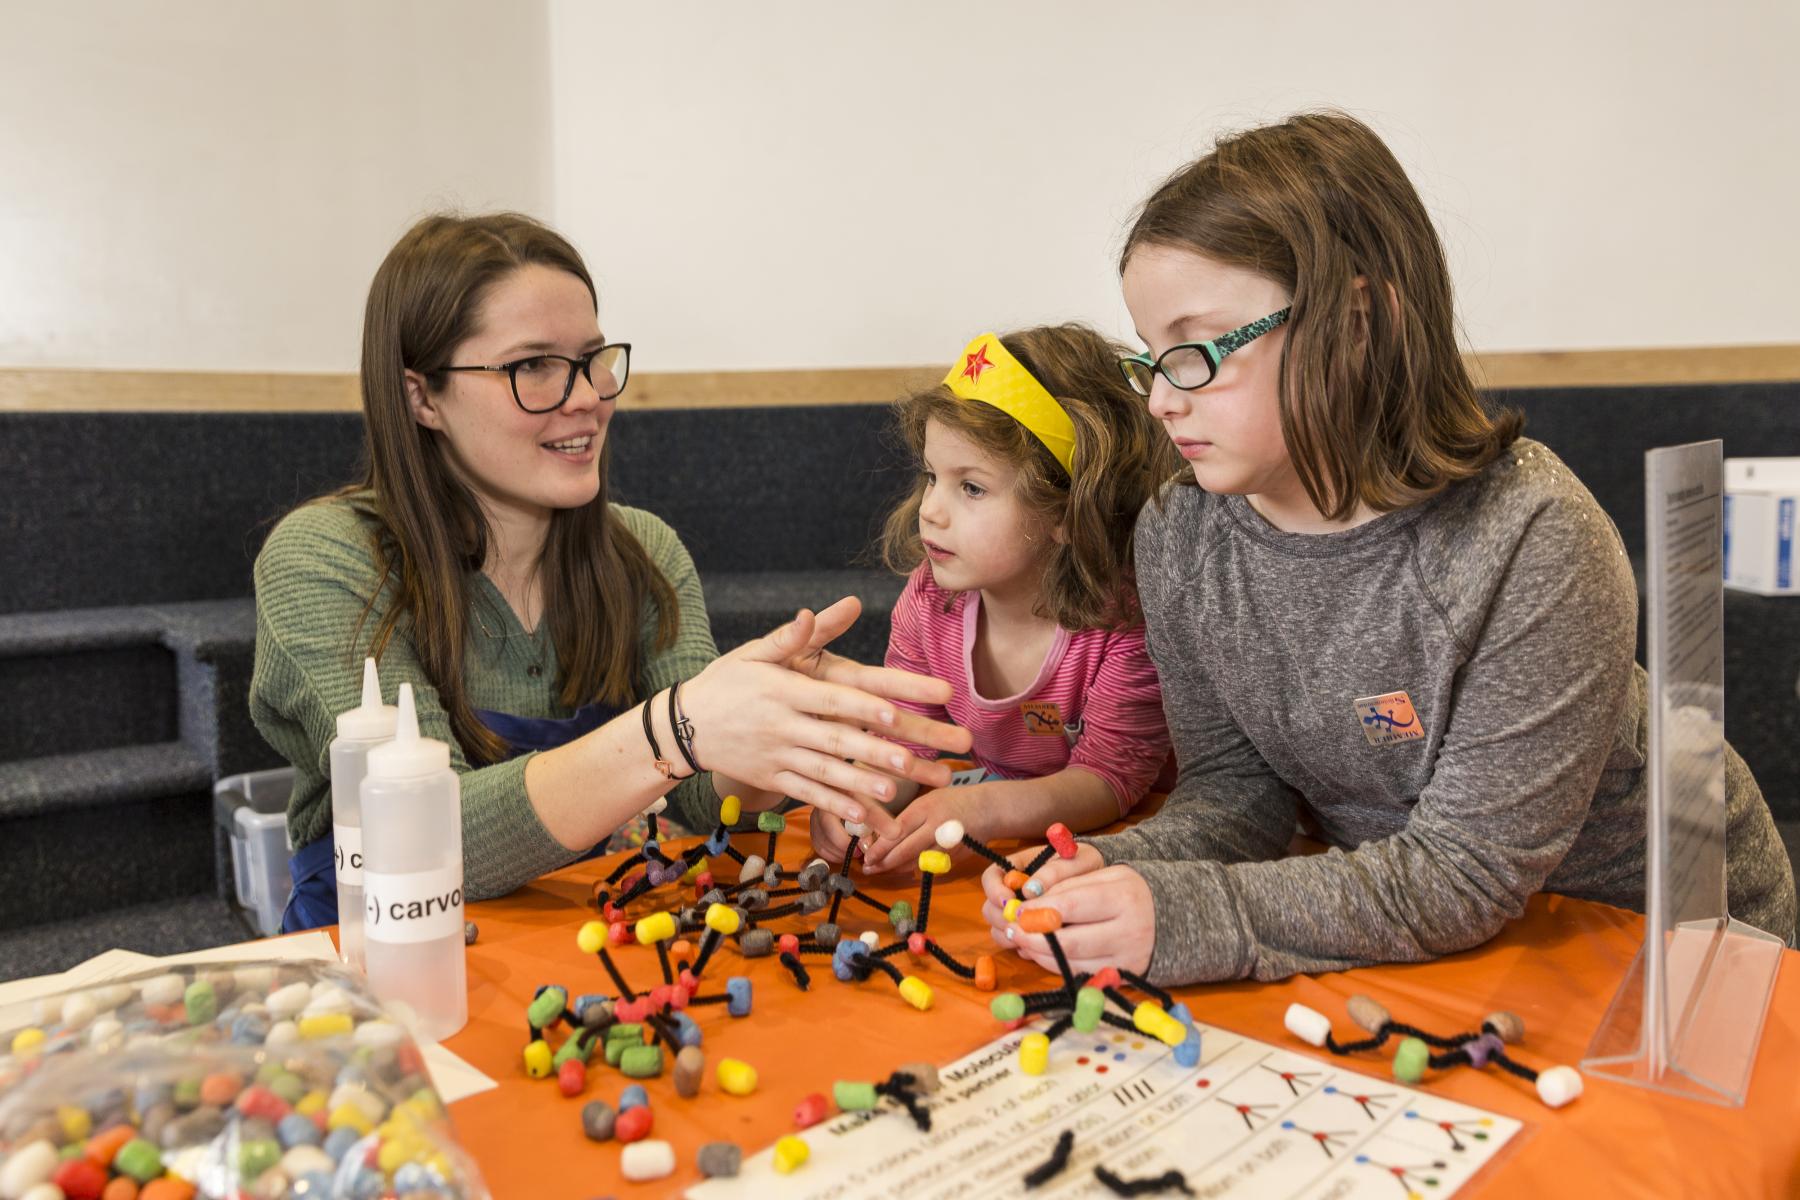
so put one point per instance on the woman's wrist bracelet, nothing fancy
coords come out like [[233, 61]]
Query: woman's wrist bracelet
[[664, 766], [682, 729]]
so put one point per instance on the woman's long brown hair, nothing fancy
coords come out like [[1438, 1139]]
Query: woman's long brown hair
[[1376, 403], [424, 302]]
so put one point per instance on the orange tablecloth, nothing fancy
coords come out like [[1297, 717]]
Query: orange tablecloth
[[1557, 967]]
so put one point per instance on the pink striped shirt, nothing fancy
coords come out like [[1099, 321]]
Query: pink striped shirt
[[1096, 703]]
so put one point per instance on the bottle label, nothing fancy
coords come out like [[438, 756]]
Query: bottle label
[[419, 906], [347, 843]]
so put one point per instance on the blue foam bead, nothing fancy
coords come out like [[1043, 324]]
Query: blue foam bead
[[841, 956], [737, 996], [367, 1185], [1188, 1053], [687, 1030], [339, 1141], [648, 849], [296, 1130], [1180, 1013], [634, 1096], [417, 1177], [586, 998], [314, 1185], [716, 843]]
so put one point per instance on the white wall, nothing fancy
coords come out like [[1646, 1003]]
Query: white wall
[[210, 184], [816, 183]]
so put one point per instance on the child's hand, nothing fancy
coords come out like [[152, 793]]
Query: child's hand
[[916, 828], [1049, 875], [829, 837], [1108, 916]]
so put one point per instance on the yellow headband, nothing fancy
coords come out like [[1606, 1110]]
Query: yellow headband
[[988, 373]]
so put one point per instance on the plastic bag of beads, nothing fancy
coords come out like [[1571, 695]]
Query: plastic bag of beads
[[248, 1080]]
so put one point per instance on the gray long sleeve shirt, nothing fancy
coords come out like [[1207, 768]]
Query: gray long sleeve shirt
[[1504, 611]]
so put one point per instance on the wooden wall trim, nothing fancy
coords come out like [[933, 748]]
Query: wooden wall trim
[[35, 389]]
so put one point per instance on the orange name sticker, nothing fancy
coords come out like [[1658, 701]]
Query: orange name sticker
[[1388, 718], [1042, 718]]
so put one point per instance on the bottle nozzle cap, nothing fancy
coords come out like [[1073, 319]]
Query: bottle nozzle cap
[[408, 756], [370, 721]]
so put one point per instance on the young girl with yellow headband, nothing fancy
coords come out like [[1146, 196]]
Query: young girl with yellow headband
[[1035, 460]]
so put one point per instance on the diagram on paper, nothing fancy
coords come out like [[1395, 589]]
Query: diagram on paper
[[1251, 1120]]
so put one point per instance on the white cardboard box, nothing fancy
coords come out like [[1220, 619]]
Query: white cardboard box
[[1761, 498]]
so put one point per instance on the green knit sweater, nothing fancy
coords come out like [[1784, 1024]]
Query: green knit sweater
[[313, 578]]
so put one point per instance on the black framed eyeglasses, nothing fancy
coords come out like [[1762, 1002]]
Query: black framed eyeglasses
[[544, 382], [1194, 364]]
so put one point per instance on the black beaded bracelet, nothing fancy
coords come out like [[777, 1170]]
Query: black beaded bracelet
[[683, 729], [664, 766]]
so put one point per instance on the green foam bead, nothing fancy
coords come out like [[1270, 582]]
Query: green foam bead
[[852, 1096], [1089, 1004], [578, 1045], [1007, 1006], [201, 1001], [187, 1092], [139, 1159], [547, 1008], [1410, 1060], [642, 1062], [902, 911], [771, 822], [613, 1052], [258, 1155], [631, 1031]]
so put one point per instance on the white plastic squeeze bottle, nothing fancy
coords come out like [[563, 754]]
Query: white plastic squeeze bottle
[[413, 879], [359, 731]]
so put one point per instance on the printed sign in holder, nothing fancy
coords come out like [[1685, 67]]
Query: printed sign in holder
[[1689, 1016]]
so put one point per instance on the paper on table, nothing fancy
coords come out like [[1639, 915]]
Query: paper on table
[[453, 1078]]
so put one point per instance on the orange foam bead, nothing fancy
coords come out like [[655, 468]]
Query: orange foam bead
[[1040, 920], [1016, 880], [984, 973]]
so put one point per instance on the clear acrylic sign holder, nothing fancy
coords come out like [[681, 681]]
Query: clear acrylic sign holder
[[1689, 1016]]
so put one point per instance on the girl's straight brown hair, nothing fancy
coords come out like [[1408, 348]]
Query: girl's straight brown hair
[[424, 302], [1121, 457], [1376, 403]]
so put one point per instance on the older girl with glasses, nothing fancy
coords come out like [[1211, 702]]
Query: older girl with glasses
[[1376, 609], [545, 630]]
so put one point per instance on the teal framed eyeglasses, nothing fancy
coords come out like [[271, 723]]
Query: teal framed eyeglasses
[[1194, 364]]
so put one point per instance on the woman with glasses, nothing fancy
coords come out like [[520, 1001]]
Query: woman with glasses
[[557, 642], [1375, 609]]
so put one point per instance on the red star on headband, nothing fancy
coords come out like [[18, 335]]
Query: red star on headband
[[976, 363]]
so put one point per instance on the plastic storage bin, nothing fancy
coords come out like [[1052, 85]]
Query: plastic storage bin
[[251, 810]]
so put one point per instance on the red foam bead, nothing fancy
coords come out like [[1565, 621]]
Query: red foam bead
[[690, 983], [659, 996], [789, 943], [1061, 840], [633, 1124], [1105, 977], [408, 1058], [703, 883], [259, 1101], [916, 943], [571, 1077], [630, 1012], [679, 996], [610, 912], [618, 933], [80, 1179], [810, 1111]]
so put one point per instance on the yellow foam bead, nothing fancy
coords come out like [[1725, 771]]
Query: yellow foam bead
[[791, 1154], [1034, 1054], [312, 1102], [693, 872], [349, 1115], [394, 1154], [75, 1122], [591, 937], [26, 1043], [736, 1077], [1011, 910], [934, 862], [657, 927], [916, 992], [441, 1165], [537, 1059], [723, 918], [324, 1025], [730, 809], [1151, 1019]]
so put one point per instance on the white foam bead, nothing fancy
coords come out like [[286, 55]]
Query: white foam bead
[[44, 1191], [26, 1168], [1308, 1024], [647, 1160], [871, 939], [105, 1032], [304, 1160], [286, 1002], [111, 996], [819, 862], [1557, 1086], [282, 1034], [327, 999], [254, 979], [657, 805], [856, 829], [163, 989], [378, 1033], [78, 1010], [752, 868], [950, 834]]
